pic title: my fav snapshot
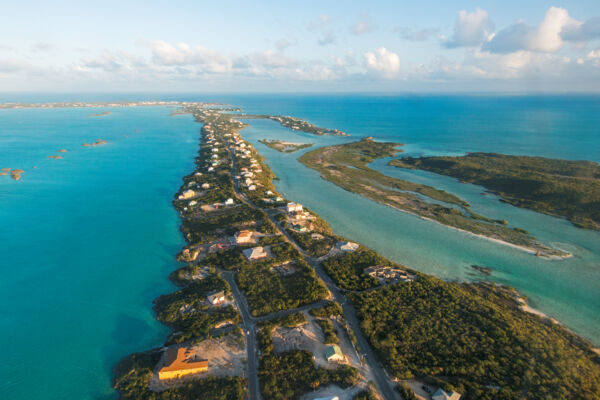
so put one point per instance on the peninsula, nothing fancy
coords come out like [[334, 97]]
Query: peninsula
[[274, 305], [346, 165], [283, 146], [563, 188]]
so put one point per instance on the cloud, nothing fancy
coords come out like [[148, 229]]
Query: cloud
[[42, 46], [322, 22], [362, 26], [545, 38], [282, 44], [12, 66], [418, 35], [471, 29], [589, 30], [327, 38], [182, 54], [382, 62]]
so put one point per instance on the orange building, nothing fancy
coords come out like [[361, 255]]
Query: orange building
[[180, 362]]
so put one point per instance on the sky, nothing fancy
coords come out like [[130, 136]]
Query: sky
[[309, 46]]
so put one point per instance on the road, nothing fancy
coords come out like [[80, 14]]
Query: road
[[382, 380]]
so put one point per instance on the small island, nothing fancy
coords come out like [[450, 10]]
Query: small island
[[346, 165], [102, 114], [98, 142], [55, 157], [284, 147], [563, 188]]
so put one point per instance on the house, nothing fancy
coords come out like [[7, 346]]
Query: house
[[347, 246], [294, 208], [229, 202], [214, 156], [443, 395], [255, 253], [334, 353], [211, 169], [244, 237], [252, 187], [180, 362], [216, 298], [205, 186], [187, 194]]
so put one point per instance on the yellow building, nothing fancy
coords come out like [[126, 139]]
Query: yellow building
[[180, 362]]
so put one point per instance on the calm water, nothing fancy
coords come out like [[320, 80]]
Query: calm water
[[87, 241]]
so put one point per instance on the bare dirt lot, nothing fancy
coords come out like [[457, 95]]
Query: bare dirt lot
[[226, 357]]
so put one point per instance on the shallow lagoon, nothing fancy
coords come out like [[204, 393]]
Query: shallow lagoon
[[568, 290]]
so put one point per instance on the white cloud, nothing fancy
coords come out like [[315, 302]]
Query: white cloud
[[589, 30], [327, 38], [417, 35], [42, 46], [320, 23], [382, 62], [362, 26], [13, 65], [545, 38], [282, 44], [471, 29]]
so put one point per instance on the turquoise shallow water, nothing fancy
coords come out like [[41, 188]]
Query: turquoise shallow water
[[568, 290], [87, 243]]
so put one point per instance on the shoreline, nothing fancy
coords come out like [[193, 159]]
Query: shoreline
[[227, 167]]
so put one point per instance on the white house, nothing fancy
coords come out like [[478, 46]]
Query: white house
[[255, 253], [294, 208], [205, 186], [187, 194], [348, 246], [216, 298], [229, 202], [244, 237]]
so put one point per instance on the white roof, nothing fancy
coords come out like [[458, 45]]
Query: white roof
[[443, 395]]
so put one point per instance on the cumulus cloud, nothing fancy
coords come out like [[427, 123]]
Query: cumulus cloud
[[282, 44], [545, 38], [320, 23], [362, 26], [182, 54], [382, 62], [12, 65], [417, 35], [327, 38], [588, 30], [42, 46], [471, 29]]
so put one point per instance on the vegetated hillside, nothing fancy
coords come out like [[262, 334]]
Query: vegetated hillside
[[475, 339], [559, 187]]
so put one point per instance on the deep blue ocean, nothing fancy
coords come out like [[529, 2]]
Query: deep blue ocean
[[88, 241]]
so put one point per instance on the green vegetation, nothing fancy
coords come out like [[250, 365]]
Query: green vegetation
[[406, 392], [187, 312], [314, 247], [564, 188], [346, 270], [296, 124], [346, 165], [327, 328], [367, 395], [268, 292], [283, 146], [330, 310], [291, 374], [133, 374], [475, 338]]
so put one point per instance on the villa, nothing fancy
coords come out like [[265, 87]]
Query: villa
[[188, 194], [244, 237], [334, 353], [205, 186], [347, 246], [443, 395], [255, 253], [293, 208], [216, 298], [229, 202], [180, 362]]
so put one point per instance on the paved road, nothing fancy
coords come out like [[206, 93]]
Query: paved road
[[382, 380]]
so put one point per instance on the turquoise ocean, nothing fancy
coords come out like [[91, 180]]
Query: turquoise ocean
[[88, 241]]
